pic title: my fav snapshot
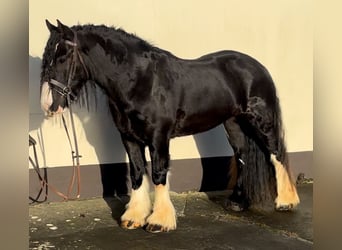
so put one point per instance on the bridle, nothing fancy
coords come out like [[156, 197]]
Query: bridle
[[65, 91]]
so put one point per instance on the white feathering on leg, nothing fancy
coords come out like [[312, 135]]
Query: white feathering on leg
[[287, 193], [139, 206], [164, 213]]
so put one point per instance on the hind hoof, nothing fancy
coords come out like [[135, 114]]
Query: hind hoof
[[284, 205], [129, 224], [284, 208], [154, 228], [235, 206]]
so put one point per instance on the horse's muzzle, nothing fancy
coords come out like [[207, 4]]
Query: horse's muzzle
[[46, 101]]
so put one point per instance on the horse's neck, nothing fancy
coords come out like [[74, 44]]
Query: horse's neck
[[110, 75]]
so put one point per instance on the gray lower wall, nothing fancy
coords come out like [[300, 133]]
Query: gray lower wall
[[205, 174]]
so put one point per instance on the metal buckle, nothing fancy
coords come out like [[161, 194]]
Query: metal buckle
[[66, 90], [62, 89]]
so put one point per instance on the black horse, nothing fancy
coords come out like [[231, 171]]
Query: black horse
[[155, 96]]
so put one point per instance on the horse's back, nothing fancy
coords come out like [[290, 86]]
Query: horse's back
[[244, 75], [233, 74]]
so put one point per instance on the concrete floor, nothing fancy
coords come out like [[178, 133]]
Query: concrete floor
[[202, 223]]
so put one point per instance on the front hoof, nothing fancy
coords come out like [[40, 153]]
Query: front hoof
[[129, 224], [155, 228]]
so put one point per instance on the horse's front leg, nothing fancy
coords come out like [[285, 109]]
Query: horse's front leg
[[163, 217], [139, 206]]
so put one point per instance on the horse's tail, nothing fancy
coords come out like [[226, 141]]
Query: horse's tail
[[259, 176], [280, 137]]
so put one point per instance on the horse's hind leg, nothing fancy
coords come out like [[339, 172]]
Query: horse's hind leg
[[237, 201], [139, 206]]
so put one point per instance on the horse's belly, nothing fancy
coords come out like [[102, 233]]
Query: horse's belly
[[197, 123], [204, 110]]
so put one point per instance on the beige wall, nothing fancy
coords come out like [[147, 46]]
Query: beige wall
[[277, 33]]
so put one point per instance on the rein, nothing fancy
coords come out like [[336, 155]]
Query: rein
[[66, 92]]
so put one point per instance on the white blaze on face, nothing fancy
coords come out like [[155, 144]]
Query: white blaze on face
[[45, 97]]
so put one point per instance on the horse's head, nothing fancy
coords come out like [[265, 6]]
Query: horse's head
[[63, 69]]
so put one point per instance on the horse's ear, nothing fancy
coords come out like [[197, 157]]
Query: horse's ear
[[50, 26], [66, 32]]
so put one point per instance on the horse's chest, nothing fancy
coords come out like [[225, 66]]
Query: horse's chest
[[134, 125]]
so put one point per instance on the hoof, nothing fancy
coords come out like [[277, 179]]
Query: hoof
[[129, 224], [154, 228], [284, 208], [235, 206]]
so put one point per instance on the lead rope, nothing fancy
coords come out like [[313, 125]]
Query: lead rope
[[76, 167], [75, 154]]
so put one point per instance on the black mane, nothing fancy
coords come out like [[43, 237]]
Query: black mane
[[113, 34]]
